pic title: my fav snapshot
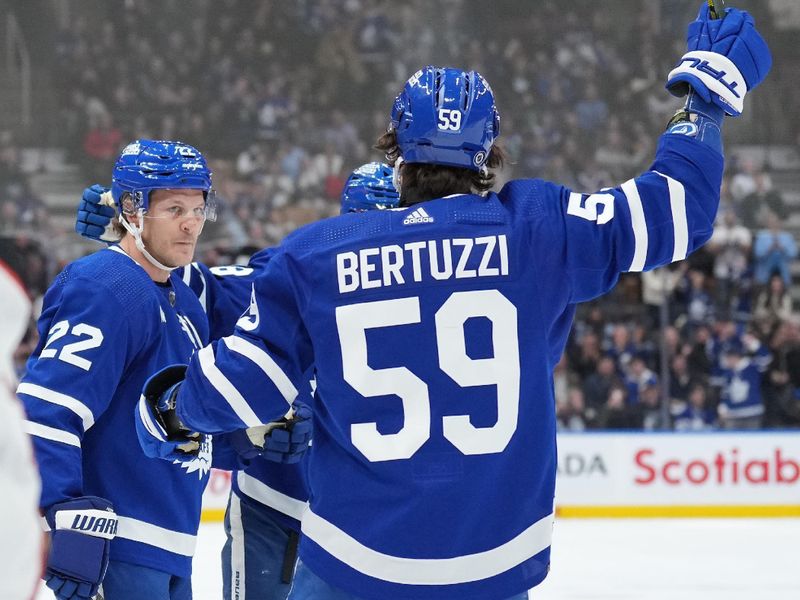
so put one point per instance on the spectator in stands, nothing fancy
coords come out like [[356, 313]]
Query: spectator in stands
[[742, 404], [597, 386], [695, 415], [698, 306], [616, 413], [773, 305], [764, 198], [680, 381], [570, 413], [638, 378], [782, 380], [730, 244], [658, 286], [775, 249], [585, 354]]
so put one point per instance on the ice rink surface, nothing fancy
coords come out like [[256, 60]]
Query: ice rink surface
[[631, 559]]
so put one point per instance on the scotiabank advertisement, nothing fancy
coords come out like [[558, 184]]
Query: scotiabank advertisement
[[757, 472]]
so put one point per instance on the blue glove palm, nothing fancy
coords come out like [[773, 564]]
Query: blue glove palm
[[82, 530], [96, 213], [726, 58], [160, 432]]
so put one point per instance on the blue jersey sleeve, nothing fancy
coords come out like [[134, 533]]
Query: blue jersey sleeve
[[252, 376], [73, 374], [659, 217], [224, 292]]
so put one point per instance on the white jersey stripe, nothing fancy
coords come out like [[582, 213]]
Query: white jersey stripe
[[153, 428], [237, 566], [51, 433], [266, 363], [226, 389], [639, 225], [258, 490], [677, 202], [153, 535], [428, 571], [48, 395]]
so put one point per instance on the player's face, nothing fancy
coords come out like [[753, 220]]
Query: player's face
[[173, 222]]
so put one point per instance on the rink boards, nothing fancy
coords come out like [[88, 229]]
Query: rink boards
[[615, 474]]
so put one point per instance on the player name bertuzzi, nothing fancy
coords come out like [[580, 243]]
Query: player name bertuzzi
[[437, 260]]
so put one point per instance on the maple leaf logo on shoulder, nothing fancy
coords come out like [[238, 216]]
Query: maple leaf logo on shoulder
[[201, 463]]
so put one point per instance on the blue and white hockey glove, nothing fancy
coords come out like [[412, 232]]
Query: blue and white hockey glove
[[96, 214], [161, 434], [284, 441], [727, 57], [81, 533]]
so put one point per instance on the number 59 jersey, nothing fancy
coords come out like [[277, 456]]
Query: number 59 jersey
[[434, 331]]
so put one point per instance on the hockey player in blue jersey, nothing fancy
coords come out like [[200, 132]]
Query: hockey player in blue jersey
[[122, 524], [433, 331], [267, 499]]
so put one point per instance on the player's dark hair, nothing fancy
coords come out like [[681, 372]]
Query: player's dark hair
[[115, 224], [423, 181]]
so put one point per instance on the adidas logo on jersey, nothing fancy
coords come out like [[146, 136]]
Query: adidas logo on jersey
[[418, 216]]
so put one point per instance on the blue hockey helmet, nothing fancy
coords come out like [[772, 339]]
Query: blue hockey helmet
[[369, 187], [147, 165], [446, 117]]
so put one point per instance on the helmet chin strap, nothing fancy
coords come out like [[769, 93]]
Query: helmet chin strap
[[136, 232]]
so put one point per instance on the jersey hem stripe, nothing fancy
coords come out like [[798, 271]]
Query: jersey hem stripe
[[427, 571], [158, 537], [261, 492]]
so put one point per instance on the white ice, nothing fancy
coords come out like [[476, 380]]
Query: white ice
[[631, 559]]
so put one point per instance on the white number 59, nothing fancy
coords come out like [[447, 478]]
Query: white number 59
[[449, 119], [502, 370], [589, 210]]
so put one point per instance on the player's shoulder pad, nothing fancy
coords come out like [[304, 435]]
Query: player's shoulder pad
[[531, 199], [108, 273], [327, 233]]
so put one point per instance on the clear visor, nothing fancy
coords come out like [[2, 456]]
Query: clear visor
[[181, 209]]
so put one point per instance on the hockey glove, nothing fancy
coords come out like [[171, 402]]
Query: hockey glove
[[161, 434], [284, 441], [727, 57], [96, 214], [81, 532]]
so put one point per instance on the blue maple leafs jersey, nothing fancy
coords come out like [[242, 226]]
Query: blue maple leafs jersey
[[434, 331], [105, 327], [225, 293]]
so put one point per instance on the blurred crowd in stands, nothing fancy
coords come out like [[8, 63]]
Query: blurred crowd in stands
[[286, 98]]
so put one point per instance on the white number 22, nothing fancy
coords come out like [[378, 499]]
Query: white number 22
[[69, 353], [501, 370]]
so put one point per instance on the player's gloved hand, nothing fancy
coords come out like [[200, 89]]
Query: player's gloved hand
[[96, 214], [726, 58], [284, 441], [161, 433], [81, 532]]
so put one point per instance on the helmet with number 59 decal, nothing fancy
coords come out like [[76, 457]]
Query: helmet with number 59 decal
[[447, 117]]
